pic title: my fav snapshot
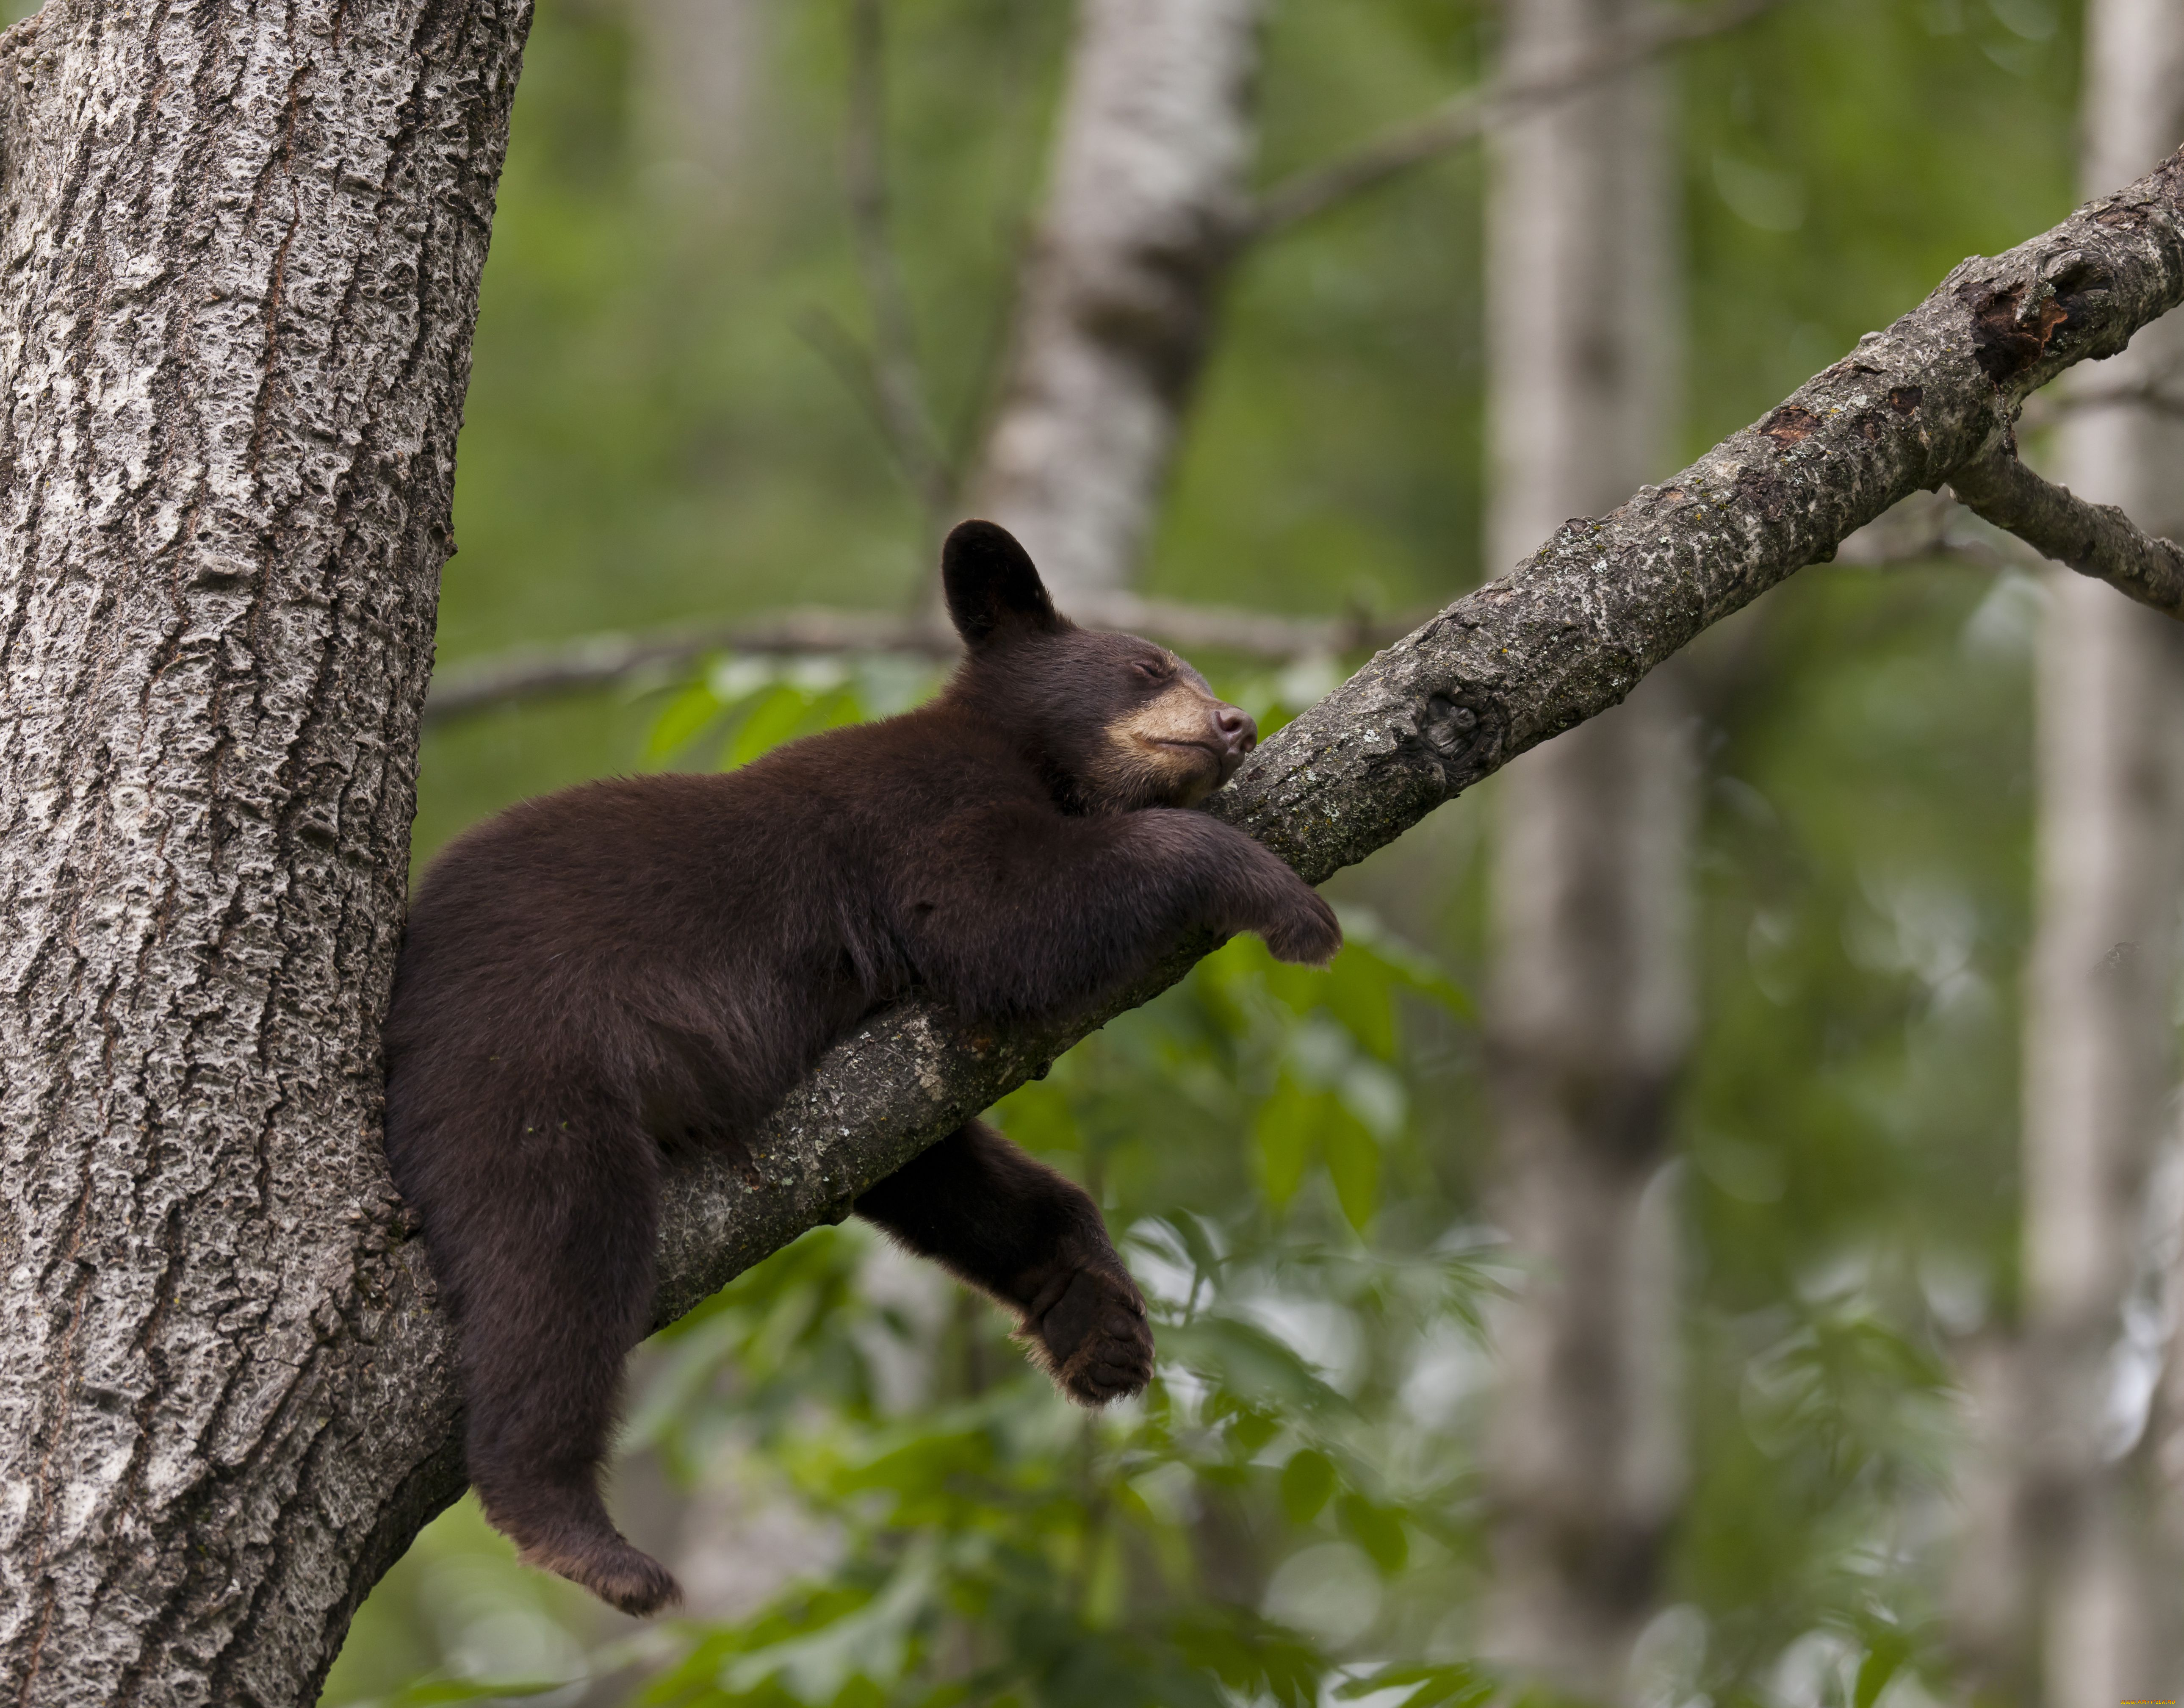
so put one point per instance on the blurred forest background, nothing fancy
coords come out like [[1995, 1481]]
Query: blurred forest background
[[1658, 1263]]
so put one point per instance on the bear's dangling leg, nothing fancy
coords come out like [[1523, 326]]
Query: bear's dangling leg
[[546, 1259], [1020, 1232]]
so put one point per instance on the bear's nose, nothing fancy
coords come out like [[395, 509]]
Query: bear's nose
[[1237, 730]]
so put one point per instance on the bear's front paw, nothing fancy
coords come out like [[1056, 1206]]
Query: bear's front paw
[[1088, 1330], [1305, 931]]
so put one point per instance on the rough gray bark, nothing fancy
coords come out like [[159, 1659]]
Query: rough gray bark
[[2095, 1620], [241, 250], [1111, 322], [1590, 1009]]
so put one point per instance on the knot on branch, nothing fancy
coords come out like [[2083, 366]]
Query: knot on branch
[[2015, 325], [1462, 740]]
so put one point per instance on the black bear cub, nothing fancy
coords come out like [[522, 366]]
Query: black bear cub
[[655, 960]]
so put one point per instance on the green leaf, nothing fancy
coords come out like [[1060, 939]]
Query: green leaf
[[1307, 1480], [1884, 1659], [1353, 1162], [1360, 992], [1395, 962], [773, 718], [1252, 1430], [680, 722], [1377, 1530], [1254, 1657], [1205, 1259], [1245, 1362], [1287, 1132]]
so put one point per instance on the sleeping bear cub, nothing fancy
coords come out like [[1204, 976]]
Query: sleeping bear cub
[[656, 959]]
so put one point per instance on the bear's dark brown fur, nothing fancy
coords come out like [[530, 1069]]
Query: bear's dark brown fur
[[659, 958]]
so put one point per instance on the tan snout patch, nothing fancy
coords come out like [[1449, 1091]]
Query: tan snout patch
[[1168, 751]]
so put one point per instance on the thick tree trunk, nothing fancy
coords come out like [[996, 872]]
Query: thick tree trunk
[[1592, 1010], [243, 249], [1111, 325], [2099, 1062]]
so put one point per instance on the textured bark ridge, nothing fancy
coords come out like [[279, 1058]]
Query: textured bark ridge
[[242, 251]]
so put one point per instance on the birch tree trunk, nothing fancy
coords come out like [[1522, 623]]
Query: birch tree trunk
[[1113, 322], [1590, 1012], [2098, 1066], [242, 245]]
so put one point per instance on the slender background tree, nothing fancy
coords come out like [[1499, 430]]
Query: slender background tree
[[1590, 998], [2070, 1587]]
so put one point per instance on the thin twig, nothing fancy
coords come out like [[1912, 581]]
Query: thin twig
[[1466, 117], [2095, 540], [599, 660], [897, 384]]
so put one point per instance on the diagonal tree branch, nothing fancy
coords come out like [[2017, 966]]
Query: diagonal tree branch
[[1563, 636], [2095, 540]]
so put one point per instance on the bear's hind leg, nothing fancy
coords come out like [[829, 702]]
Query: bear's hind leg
[[548, 1263], [1033, 1241]]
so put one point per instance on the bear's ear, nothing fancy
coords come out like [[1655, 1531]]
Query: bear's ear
[[992, 585]]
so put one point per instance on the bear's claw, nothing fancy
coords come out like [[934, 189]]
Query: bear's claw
[[1094, 1340], [1308, 934], [611, 1569]]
